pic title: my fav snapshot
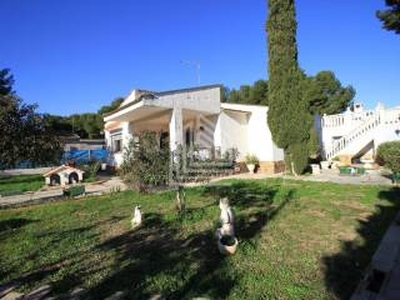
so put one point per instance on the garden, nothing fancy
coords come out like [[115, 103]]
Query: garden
[[297, 240]]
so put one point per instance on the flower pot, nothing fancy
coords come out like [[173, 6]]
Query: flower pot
[[227, 250], [325, 165], [335, 165], [251, 167]]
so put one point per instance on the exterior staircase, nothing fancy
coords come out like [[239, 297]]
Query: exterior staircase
[[356, 140]]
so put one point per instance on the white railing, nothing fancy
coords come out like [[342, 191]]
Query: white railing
[[366, 127], [346, 119], [333, 121], [391, 116]]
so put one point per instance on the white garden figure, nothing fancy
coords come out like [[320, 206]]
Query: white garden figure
[[226, 218], [137, 217]]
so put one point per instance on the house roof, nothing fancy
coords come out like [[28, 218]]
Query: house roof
[[243, 107], [60, 169], [160, 94]]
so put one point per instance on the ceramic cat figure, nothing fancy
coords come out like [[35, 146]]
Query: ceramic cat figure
[[137, 217], [226, 218]]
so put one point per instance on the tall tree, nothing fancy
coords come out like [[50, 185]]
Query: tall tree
[[6, 82], [390, 17], [288, 116], [326, 95]]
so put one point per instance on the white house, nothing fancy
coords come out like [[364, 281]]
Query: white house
[[356, 133], [194, 116]]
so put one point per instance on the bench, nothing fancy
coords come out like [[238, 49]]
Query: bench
[[351, 171], [74, 191], [396, 178]]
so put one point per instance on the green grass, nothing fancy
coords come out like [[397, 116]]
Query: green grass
[[11, 185], [297, 240]]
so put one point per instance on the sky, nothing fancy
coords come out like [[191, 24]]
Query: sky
[[75, 56]]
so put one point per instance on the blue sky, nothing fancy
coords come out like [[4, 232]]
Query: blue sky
[[74, 56]]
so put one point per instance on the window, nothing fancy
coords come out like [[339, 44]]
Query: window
[[117, 145], [116, 141]]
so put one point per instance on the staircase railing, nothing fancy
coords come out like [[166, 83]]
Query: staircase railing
[[371, 123]]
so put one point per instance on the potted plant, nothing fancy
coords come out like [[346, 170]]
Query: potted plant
[[227, 244], [335, 162], [251, 162], [325, 164]]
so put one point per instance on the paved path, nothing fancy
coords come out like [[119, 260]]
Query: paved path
[[373, 177], [100, 187]]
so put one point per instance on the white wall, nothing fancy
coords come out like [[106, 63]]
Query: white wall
[[246, 127], [231, 132], [202, 100], [387, 133], [260, 137]]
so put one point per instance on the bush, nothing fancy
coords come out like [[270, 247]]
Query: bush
[[388, 155], [146, 161], [90, 169], [251, 159]]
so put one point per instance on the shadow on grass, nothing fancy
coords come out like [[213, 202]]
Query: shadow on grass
[[55, 255], [254, 201], [13, 224], [345, 269], [155, 250], [156, 260]]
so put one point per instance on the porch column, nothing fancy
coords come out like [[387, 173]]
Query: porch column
[[176, 129], [127, 133]]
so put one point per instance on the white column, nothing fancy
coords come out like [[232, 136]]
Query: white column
[[127, 133], [107, 138], [176, 129]]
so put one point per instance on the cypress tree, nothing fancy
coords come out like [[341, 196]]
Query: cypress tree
[[288, 116]]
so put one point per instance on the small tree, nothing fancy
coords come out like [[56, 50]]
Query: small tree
[[25, 134], [388, 154], [146, 161]]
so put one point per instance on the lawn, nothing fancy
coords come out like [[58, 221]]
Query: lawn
[[297, 240], [13, 185]]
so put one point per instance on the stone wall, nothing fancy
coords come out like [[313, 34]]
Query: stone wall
[[271, 167]]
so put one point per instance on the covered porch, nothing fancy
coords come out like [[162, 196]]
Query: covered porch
[[180, 126]]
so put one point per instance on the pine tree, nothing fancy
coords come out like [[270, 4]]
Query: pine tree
[[390, 17], [288, 117]]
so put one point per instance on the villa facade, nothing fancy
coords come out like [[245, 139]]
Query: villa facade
[[194, 116]]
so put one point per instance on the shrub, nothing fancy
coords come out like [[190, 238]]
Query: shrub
[[90, 169], [146, 161], [251, 159], [388, 155]]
